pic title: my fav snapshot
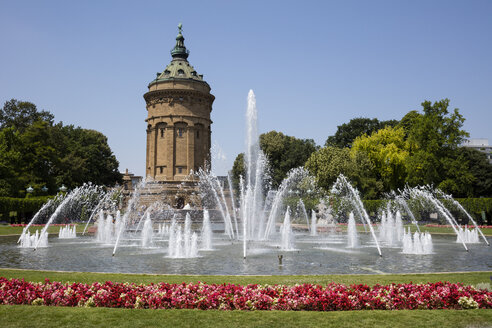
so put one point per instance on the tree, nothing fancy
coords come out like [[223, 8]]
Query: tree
[[35, 152], [328, 163], [84, 155], [22, 114], [387, 151], [433, 139], [481, 169], [238, 170], [347, 132], [284, 153], [10, 157]]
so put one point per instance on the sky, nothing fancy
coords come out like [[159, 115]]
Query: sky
[[313, 65]]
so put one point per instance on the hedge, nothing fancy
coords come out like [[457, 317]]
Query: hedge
[[472, 205], [23, 205]]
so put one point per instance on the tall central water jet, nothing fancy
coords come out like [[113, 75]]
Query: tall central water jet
[[252, 187]]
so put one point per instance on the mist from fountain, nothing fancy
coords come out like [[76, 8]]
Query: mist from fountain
[[35, 240], [108, 202], [391, 228], [287, 242], [469, 236], [401, 200], [106, 228], [342, 186], [122, 222], [206, 233], [352, 238], [47, 207], [314, 225], [301, 211], [182, 244], [147, 232], [462, 209], [422, 194], [79, 198], [163, 229], [209, 183], [67, 232], [419, 243]]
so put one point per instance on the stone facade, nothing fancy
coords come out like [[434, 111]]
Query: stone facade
[[178, 129]]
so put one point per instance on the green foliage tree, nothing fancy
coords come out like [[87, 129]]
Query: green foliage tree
[[347, 132], [238, 171], [433, 140], [387, 151], [481, 169], [284, 153], [22, 114], [35, 152], [328, 163]]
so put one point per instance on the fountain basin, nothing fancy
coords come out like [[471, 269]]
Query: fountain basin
[[312, 256]]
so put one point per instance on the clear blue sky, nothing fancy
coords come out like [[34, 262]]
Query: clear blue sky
[[312, 64]]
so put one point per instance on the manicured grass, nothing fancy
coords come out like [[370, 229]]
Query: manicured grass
[[433, 230], [8, 230], [468, 278], [45, 316]]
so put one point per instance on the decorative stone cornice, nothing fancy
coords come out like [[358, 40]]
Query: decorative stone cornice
[[171, 96]]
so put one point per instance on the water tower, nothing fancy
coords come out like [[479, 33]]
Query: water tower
[[179, 104]]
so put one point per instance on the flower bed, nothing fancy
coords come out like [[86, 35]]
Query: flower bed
[[307, 297]]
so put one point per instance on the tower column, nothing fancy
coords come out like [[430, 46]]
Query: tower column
[[191, 149]]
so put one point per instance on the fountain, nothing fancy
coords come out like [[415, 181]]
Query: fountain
[[391, 228], [343, 187], [36, 240], [147, 232], [206, 242], [469, 236], [183, 244], [352, 239], [287, 237], [420, 243], [67, 232], [314, 226], [105, 229], [240, 233]]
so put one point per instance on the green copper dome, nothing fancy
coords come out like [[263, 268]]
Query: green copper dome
[[179, 67]]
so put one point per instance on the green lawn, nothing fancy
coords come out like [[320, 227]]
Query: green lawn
[[433, 230], [8, 230], [468, 278], [44, 316]]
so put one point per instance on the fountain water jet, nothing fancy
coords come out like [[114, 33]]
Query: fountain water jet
[[147, 232], [352, 239], [67, 232], [287, 237], [314, 226], [354, 198], [206, 234]]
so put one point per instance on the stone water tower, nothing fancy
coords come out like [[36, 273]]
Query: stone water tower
[[179, 103]]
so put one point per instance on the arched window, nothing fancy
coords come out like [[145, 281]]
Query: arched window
[[181, 72]]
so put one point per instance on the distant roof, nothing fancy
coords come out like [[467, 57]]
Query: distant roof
[[179, 67], [476, 142]]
